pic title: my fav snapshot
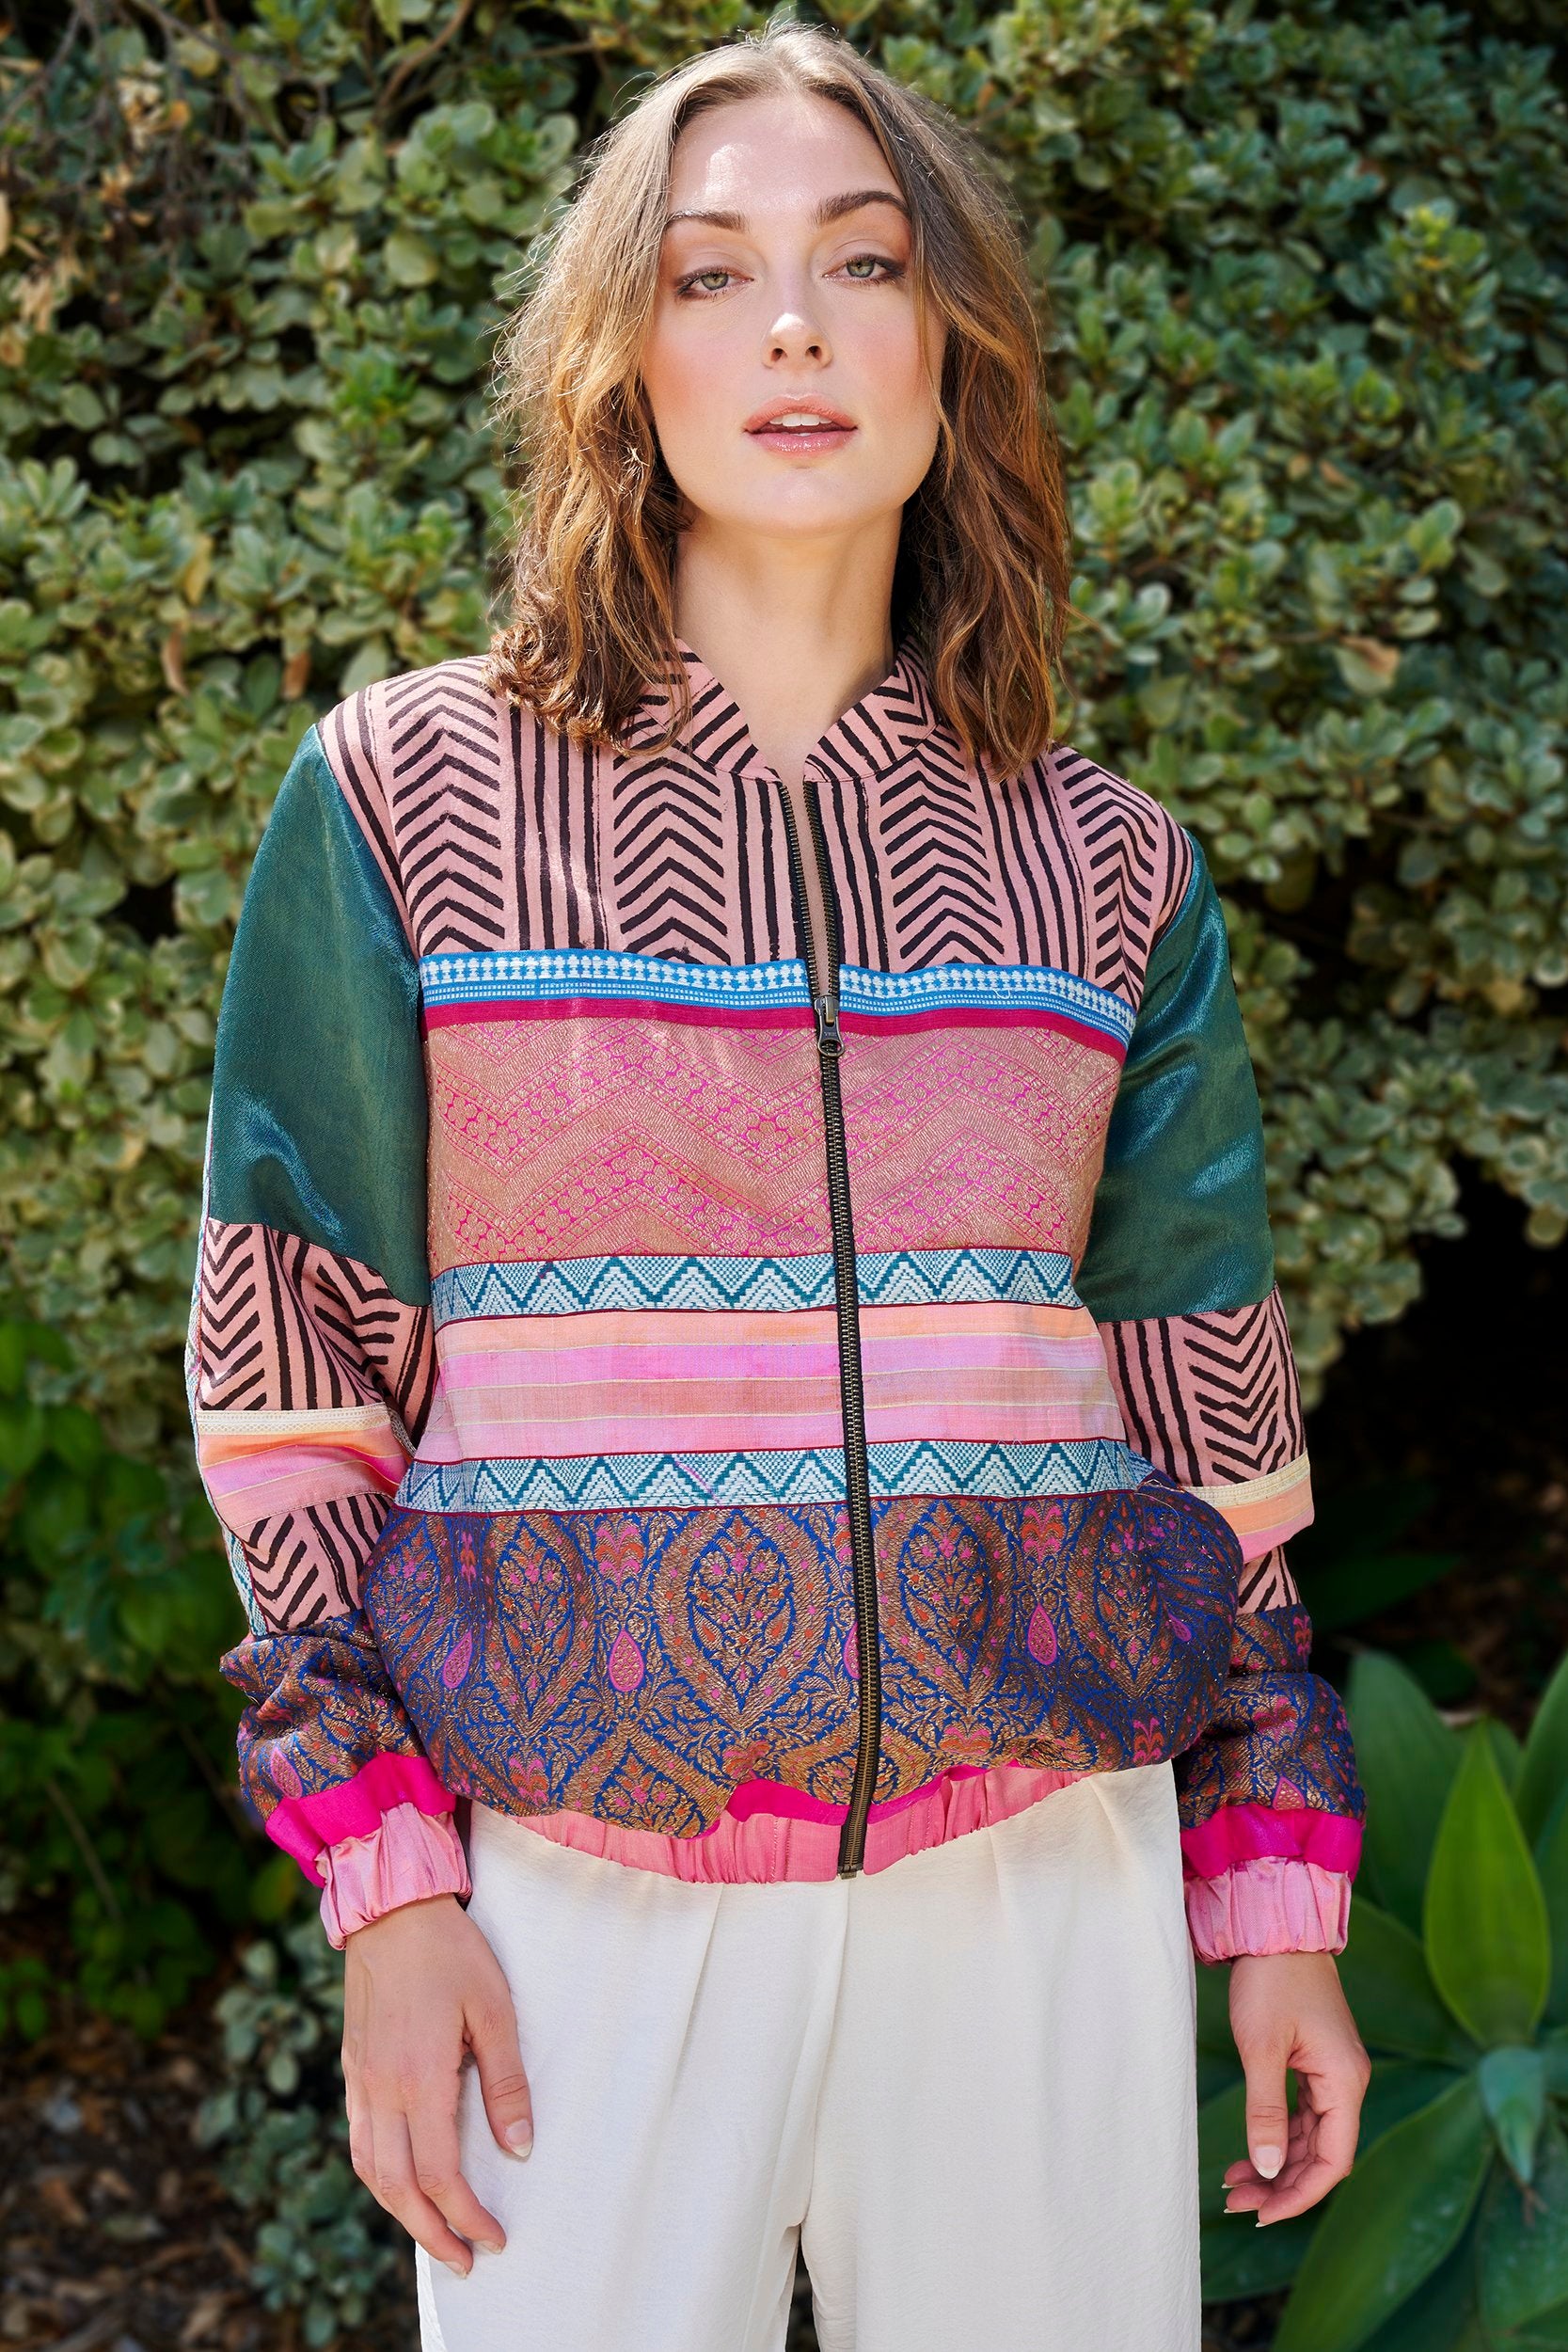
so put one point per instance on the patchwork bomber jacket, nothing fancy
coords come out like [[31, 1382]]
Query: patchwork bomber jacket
[[746, 1404]]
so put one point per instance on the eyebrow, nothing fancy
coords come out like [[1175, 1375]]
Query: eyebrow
[[832, 208]]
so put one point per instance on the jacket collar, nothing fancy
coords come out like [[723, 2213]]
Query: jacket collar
[[893, 720]]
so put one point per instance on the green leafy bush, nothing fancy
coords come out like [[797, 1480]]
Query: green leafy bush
[[1451, 2233], [1311, 278], [322, 2246], [116, 1803]]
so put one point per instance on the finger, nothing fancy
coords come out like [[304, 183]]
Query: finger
[[504, 2085], [1315, 2180], [1330, 2156], [1268, 2113], [391, 2183], [1253, 2193], [438, 2172]]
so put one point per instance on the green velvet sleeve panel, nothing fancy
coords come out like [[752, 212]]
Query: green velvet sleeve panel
[[319, 1107], [1180, 1221]]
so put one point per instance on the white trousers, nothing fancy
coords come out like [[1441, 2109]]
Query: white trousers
[[965, 2085]]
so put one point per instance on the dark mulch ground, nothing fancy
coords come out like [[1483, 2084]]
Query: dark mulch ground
[[115, 2235]]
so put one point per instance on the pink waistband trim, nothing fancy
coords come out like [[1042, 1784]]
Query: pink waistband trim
[[758, 1839], [303, 1825], [1237, 1833]]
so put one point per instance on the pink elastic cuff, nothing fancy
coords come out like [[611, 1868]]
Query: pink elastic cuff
[[1239, 1833], [1271, 1905], [303, 1825], [407, 1858]]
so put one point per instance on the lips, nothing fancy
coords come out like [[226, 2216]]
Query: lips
[[769, 419]]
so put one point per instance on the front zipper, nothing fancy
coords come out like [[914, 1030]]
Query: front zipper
[[829, 1047]]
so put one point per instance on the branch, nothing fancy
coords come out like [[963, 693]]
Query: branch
[[419, 56], [84, 1847]]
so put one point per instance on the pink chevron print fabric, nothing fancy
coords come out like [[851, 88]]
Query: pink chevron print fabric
[[515, 1363]]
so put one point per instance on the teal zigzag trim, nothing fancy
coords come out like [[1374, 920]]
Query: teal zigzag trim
[[886, 1277], [788, 1477], [1023, 987], [541, 975]]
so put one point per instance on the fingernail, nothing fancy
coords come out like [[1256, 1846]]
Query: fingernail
[[1268, 2161], [490, 2245], [520, 2138], [456, 2268]]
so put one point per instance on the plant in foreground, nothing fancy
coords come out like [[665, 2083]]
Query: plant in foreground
[[1451, 2233]]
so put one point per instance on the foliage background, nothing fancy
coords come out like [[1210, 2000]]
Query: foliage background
[[1310, 276], [1307, 272]]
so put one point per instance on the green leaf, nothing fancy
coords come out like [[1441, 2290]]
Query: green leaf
[[1442, 2314], [1214, 2012], [23, 1431], [1524, 2241], [1367, 664], [1544, 1774], [1355, 1589], [1384, 1971], [1551, 1859], [1486, 1934], [409, 260], [1389, 2225], [1548, 2333], [1407, 1758], [1514, 2093], [1506, 1748]]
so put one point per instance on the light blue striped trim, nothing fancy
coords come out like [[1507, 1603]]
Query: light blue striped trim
[[540, 974], [885, 1277], [949, 987], [788, 1477]]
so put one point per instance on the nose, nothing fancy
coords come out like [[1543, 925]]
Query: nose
[[794, 341], [796, 335]]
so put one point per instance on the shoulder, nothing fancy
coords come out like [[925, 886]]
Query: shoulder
[[1129, 840], [400, 745], [378, 723]]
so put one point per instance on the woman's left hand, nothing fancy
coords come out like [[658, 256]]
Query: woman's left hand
[[1289, 2010]]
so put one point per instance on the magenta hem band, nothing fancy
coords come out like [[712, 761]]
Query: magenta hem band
[[1239, 1833], [462, 1015], [303, 1825]]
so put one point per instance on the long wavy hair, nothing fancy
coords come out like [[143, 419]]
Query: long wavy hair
[[983, 569]]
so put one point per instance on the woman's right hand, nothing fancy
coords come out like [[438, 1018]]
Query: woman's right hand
[[421, 1988]]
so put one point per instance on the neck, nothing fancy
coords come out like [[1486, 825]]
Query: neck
[[796, 635]]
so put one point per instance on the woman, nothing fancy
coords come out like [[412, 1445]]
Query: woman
[[658, 1379]]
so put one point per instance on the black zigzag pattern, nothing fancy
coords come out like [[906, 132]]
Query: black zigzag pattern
[[445, 791]]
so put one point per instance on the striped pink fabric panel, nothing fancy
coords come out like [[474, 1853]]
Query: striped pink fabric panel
[[649, 1380], [310, 1384], [1216, 1400], [590, 1133], [976, 1133]]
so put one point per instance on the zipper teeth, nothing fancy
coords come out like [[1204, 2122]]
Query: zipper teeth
[[857, 1477]]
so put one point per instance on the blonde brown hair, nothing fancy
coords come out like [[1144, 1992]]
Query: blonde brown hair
[[981, 581]]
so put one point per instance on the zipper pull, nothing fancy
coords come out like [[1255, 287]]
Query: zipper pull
[[829, 1038]]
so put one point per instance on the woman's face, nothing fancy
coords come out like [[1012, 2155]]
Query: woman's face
[[796, 293]]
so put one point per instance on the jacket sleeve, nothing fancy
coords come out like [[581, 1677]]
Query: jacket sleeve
[[309, 1354], [1179, 1273]]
